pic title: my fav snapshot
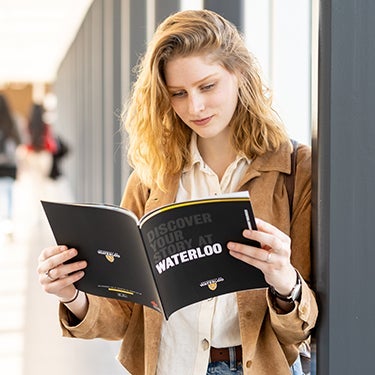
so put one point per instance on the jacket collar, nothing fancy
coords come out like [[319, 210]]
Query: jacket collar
[[279, 161], [271, 161]]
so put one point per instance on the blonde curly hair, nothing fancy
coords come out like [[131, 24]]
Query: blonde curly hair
[[158, 139]]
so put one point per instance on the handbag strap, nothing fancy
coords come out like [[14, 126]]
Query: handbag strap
[[289, 178]]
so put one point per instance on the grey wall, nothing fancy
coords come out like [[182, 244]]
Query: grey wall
[[344, 166]]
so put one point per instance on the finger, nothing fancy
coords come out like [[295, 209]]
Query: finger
[[64, 270], [53, 257], [56, 287], [270, 263], [245, 251], [61, 271], [267, 241], [265, 227], [49, 276], [50, 251], [263, 260]]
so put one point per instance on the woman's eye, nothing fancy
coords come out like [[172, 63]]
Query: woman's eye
[[177, 93], [208, 87]]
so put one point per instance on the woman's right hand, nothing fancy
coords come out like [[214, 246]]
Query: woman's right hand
[[56, 276]]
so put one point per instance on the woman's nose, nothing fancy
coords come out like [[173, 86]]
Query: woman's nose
[[196, 103]]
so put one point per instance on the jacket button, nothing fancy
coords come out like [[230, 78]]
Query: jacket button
[[205, 344], [248, 364]]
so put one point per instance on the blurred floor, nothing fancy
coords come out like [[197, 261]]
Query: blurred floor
[[30, 336]]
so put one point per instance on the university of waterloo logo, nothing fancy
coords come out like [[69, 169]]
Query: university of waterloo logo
[[212, 283], [109, 255]]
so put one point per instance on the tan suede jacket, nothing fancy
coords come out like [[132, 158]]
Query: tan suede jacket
[[270, 339]]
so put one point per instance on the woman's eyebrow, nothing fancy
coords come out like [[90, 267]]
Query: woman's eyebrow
[[195, 83]]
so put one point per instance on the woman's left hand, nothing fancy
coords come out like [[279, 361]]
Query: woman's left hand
[[273, 258]]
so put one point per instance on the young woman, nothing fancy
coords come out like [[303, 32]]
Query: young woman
[[200, 122]]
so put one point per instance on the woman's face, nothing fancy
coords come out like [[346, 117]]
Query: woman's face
[[202, 93]]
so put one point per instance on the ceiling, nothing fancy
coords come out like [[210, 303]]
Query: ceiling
[[35, 35]]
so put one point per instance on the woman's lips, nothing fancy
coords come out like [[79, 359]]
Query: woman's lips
[[202, 121]]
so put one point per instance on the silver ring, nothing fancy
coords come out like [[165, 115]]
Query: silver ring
[[48, 275], [269, 256]]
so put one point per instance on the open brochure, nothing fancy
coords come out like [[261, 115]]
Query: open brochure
[[172, 257]]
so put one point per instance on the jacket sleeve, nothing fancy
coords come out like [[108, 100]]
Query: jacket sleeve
[[296, 325], [106, 318]]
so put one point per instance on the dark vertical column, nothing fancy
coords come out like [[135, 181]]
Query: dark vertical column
[[345, 184], [232, 10], [164, 8]]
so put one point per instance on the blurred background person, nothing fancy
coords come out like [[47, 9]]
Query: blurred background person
[[39, 172], [34, 160], [9, 140], [62, 148], [61, 151]]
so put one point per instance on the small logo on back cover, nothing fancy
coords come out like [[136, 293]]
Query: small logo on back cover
[[109, 255], [212, 283]]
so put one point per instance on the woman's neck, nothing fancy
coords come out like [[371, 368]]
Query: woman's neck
[[217, 153]]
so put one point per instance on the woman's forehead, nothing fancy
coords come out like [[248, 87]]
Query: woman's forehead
[[191, 69]]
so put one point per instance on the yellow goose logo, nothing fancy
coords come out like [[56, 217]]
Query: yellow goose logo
[[110, 258], [109, 255]]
